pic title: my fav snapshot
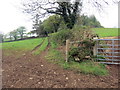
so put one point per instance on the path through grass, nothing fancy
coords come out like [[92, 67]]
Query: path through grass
[[42, 47]]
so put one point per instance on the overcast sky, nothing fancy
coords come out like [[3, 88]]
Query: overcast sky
[[11, 16]]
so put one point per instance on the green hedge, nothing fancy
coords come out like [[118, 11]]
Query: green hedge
[[61, 36]]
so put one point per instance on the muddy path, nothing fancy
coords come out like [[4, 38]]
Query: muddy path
[[29, 71]]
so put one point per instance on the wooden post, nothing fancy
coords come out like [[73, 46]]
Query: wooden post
[[84, 35], [67, 49], [95, 49]]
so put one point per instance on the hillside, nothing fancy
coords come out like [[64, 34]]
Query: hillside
[[106, 32]]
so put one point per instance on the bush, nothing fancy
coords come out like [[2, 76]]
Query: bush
[[83, 52], [81, 33], [61, 36]]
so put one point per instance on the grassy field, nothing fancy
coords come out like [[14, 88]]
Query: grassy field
[[106, 32], [23, 44]]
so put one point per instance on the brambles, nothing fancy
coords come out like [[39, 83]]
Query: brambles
[[61, 36], [84, 51]]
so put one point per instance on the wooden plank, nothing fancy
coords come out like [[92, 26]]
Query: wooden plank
[[95, 50], [67, 49]]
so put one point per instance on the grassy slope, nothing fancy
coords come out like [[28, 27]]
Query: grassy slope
[[106, 32], [23, 44], [42, 47]]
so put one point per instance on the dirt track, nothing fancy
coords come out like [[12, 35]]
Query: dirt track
[[28, 71]]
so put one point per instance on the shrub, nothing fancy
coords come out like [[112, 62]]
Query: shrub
[[61, 36], [83, 52], [81, 33]]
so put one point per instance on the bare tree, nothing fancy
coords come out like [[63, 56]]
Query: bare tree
[[68, 9]]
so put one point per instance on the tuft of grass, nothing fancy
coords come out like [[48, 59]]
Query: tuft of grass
[[42, 47], [53, 45], [106, 32], [90, 67], [65, 65], [54, 55], [87, 67]]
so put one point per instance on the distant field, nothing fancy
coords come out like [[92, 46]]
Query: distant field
[[106, 32], [22, 45]]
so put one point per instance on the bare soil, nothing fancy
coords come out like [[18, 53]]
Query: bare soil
[[29, 71]]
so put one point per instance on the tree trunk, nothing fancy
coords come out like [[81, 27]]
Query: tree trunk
[[21, 36], [15, 38]]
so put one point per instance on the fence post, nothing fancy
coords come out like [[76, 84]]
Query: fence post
[[95, 49], [67, 48], [84, 35]]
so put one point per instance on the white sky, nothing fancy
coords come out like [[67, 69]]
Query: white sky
[[11, 16]]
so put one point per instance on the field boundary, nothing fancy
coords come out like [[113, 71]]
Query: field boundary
[[109, 52]]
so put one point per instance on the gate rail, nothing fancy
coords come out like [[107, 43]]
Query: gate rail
[[111, 54]]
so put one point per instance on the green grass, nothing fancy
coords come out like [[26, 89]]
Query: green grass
[[22, 45], [0, 45], [88, 67], [54, 55], [42, 47], [106, 32], [7, 39], [53, 44]]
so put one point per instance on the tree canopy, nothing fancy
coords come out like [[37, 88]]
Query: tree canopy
[[14, 33], [55, 23], [90, 21], [17, 33], [49, 25], [68, 9], [52, 23], [21, 30]]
